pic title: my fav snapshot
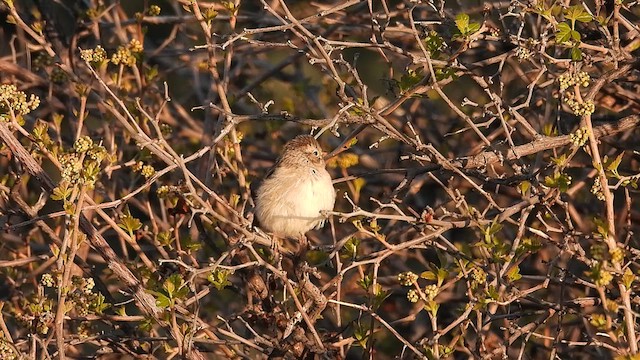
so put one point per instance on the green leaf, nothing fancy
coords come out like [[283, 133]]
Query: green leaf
[[210, 14], [560, 160], [146, 325], [462, 22], [410, 79], [434, 43], [602, 227], [464, 26], [514, 274], [493, 293], [473, 27], [528, 245], [69, 207], [373, 224], [445, 73], [350, 249], [361, 335], [429, 275], [558, 180], [182, 292], [613, 166], [575, 35], [175, 288], [358, 184], [165, 238], [169, 287], [220, 278], [234, 200], [432, 307], [542, 10], [577, 13], [585, 17], [366, 282], [98, 304], [576, 53], [163, 301], [40, 132], [490, 231], [379, 296], [129, 223], [523, 187], [627, 278], [442, 276], [190, 244], [549, 130], [151, 73], [62, 191], [564, 33]]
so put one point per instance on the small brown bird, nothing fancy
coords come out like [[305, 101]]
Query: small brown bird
[[296, 190]]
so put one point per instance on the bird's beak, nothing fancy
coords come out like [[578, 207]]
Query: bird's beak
[[334, 153]]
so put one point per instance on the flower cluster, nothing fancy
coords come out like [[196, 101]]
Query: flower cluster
[[6, 352], [137, 166], [596, 190], [147, 171], [599, 321], [579, 108], [599, 274], [58, 76], [39, 310], [579, 137], [569, 79], [166, 129], [407, 278], [604, 278], [97, 153], [83, 144], [479, 276], [97, 55], [13, 99], [82, 165], [598, 251], [47, 280], [617, 255], [38, 314], [42, 60], [413, 296], [166, 190], [71, 168], [431, 291], [86, 301], [128, 55], [135, 46], [523, 53], [154, 10]]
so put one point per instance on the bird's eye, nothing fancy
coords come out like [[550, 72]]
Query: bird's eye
[[316, 152]]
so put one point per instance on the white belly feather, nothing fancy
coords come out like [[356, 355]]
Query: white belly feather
[[299, 199]]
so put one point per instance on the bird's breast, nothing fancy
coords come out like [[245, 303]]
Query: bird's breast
[[314, 193], [290, 202]]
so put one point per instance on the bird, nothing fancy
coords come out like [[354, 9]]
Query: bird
[[295, 191]]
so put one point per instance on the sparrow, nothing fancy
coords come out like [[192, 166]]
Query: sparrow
[[295, 190]]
